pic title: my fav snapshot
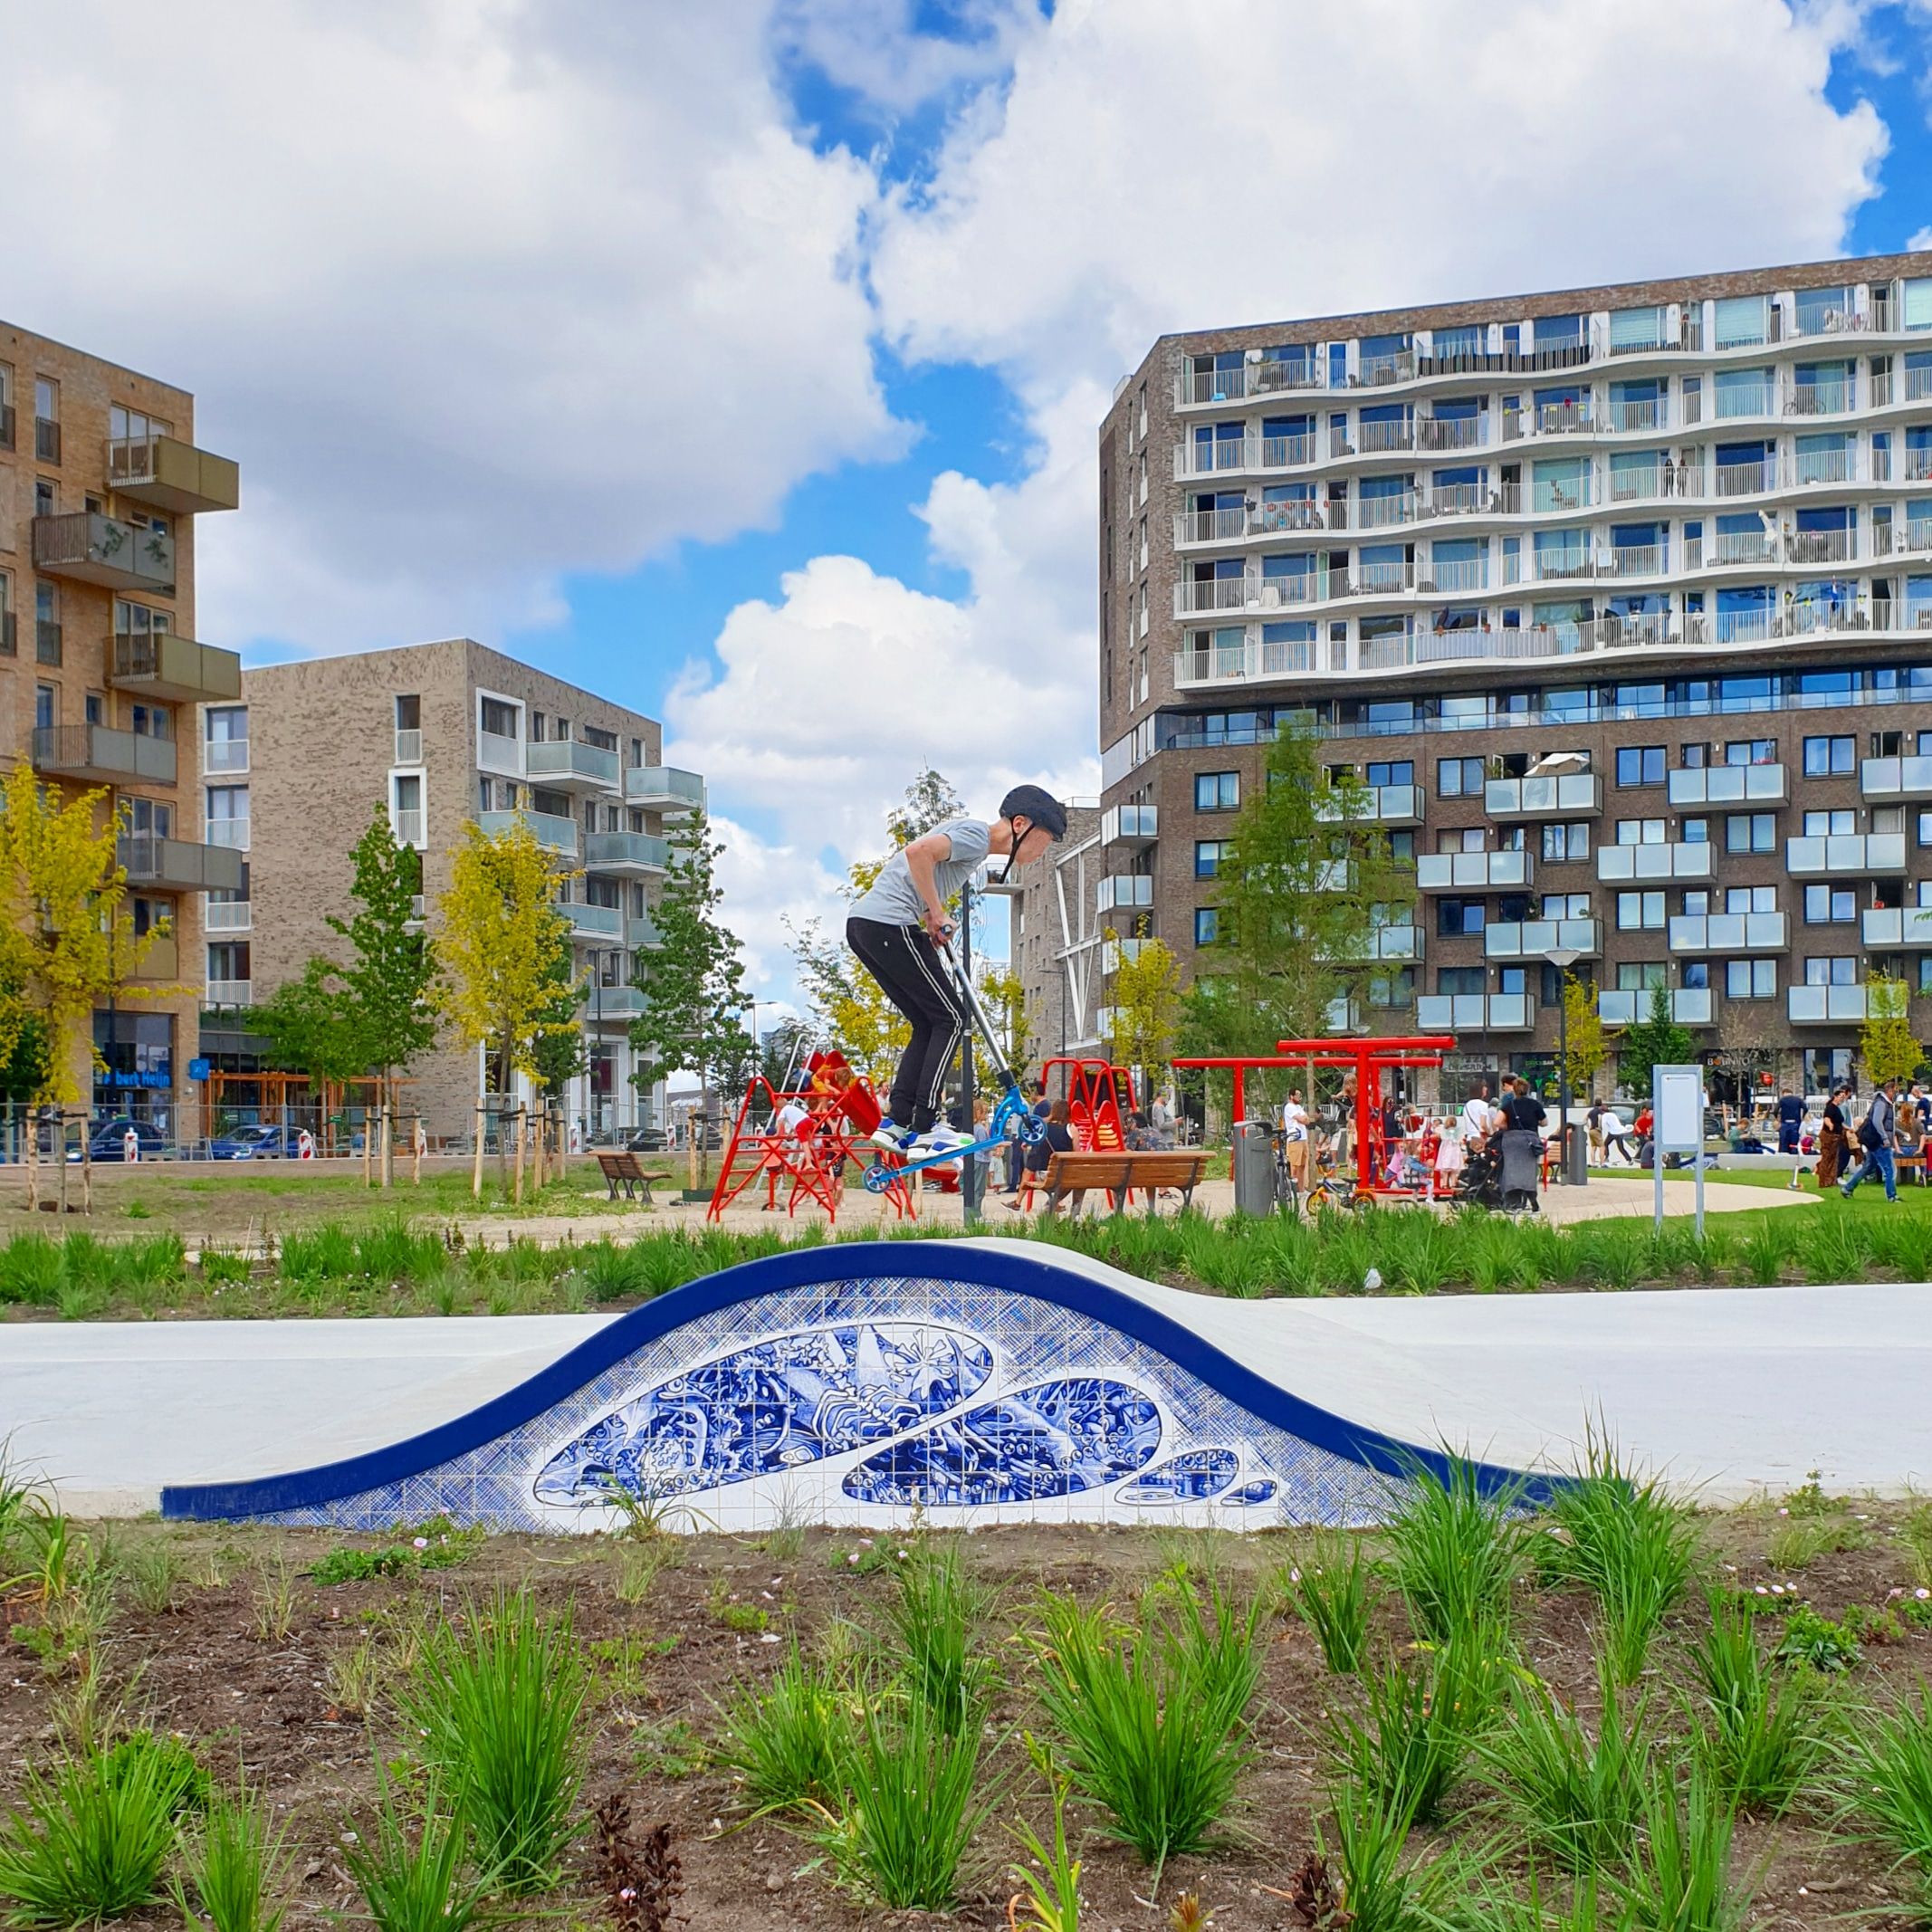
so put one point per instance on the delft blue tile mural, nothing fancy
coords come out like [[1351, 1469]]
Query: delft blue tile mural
[[972, 1382]]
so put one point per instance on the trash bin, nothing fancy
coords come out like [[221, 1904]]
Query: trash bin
[[1576, 1156], [1254, 1167]]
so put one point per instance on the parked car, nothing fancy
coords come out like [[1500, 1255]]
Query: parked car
[[633, 1140], [258, 1141], [108, 1141]]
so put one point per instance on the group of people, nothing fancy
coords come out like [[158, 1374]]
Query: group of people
[[1892, 1125]]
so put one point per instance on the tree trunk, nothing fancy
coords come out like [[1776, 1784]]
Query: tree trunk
[[539, 1132], [86, 1168], [32, 1161]]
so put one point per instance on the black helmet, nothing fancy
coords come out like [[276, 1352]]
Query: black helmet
[[1037, 806]]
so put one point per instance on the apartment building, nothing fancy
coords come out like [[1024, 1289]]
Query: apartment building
[[1056, 939], [1620, 597], [441, 733], [100, 672]]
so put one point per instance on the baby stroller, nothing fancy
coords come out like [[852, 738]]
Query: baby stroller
[[1480, 1182]]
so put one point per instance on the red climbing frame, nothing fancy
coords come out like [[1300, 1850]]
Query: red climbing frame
[[1367, 1058], [839, 1110], [1099, 1102]]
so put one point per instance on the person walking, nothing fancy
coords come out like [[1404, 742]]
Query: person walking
[[1791, 1120], [1832, 1139], [1877, 1135]]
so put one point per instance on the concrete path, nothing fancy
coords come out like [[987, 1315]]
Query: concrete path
[[1729, 1391]]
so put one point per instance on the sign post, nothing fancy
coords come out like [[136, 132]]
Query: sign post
[[1676, 1115]]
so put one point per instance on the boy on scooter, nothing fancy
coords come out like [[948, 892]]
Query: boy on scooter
[[895, 929]]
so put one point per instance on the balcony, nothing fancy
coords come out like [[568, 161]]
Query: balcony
[[568, 764], [1569, 794], [1895, 778], [1896, 925], [498, 751], [230, 832], [230, 992], [1687, 860], [1726, 785], [1872, 854], [1371, 805], [592, 921], [639, 854], [1393, 943], [1473, 871], [1475, 1012], [225, 757], [1115, 953], [1219, 665], [162, 963], [1134, 826], [663, 788], [228, 915], [641, 933], [1536, 939], [164, 665], [1125, 892], [608, 1006], [103, 756], [172, 474], [1691, 1006], [1824, 1006], [1697, 932], [92, 548], [556, 834], [149, 859]]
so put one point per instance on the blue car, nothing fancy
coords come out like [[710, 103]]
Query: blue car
[[257, 1142], [108, 1140]]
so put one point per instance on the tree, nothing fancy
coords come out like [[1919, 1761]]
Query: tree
[[1656, 1040], [1146, 1006], [505, 950], [1003, 993], [1885, 1041], [692, 983], [559, 1048], [1589, 1046], [930, 800], [1306, 878], [311, 1026]]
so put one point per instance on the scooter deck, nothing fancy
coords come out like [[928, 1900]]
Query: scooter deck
[[966, 1150]]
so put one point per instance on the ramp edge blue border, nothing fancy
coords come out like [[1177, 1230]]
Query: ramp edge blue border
[[1012, 1269]]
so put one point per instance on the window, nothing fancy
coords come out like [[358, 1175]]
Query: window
[[1830, 969], [1695, 831], [1402, 847], [1830, 757], [1830, 905], [499, 719], [1459, 918], [1460, 979], [1458, 778], [47, 624], [595, 734], [46, 420], [9, 643], [1640, 912], [1208, 857], [131, 425], [1641, 764], [1751, 752], [1564, 843], [1750, 979], [1830, 825], [228, 816], [1751, 899], [225, 741], [1641, 831], [406, 811], [1397, 771], [408, 711], [1471, 838], [1639, 976], [227, 965], [151, 817], [1207, 925], [1216, 792], [46, 707], [145, 721], [1751, 832]]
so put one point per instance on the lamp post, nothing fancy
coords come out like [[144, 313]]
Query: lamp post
[[1562, 958]]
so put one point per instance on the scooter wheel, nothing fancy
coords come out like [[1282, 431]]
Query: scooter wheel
[[1032, 1129], [878, 1177]]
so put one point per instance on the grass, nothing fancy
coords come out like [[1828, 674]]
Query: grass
[[934, 1618], [1327, 1587], [1756, 1736], [1884, 1766], [1376, 1884], [1679, 1879], [416, 1880], [1456, 1543], [90, 1841], [790, 1742], [236, 1869], [1151, 1720]]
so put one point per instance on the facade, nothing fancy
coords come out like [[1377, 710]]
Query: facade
[[100, 672], [1056, 937], [1621, 597], [441, 733]]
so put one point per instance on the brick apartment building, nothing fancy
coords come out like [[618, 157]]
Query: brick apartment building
[[1621, 597], [441, 733], [100, 672]]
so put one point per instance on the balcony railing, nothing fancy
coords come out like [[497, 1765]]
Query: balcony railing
[[499, 752], [1474, 871], [663, 788], [1638, 560], [1745, 546], [162, 665], [1130, 824], [1373, 439], [172, 474], [642, 932], [1456, 574], [1684, 860], [1125, 892], [408, 745], [231, 993], [410, 827], [1837, 319], [1553, 795], [1822, 546], [1725, 785], [1817, 398], [613, 1005], [1475, 1012], [1449, 432], [1813, 1006], [1372, 805], [230, 832], [1533, 939], [634, 852], [225, 757], [95, 752], [149, 859], [1224, 453], [1691, 1006], [1869, 852], [593, 922], [1393, 943], [1726, 932], [94, 549], [1648, 413], [1895, 778], [549, 829], [569, 763], [227, 916], [1896, 925], [1251, 659]]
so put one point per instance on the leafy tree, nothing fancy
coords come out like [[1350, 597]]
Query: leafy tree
[[505, 949], [1003, 993], [1306, 878], [1146, 1009], [930, 800], [1656, 1040], [693, 982], [560, 1049], [23, 1071], [1885, 1041], [1589, 1046], [313, 1027]]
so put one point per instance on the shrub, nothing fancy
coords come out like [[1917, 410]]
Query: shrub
[[416, 1886], [1455, 1545], [1154, 1718], [31, 1271], [1756, 1737], [90, 1841], [1679, 1875], [499, 1703], [236, 1869], [1327, 1587], [609, 1271], [1797, 1543], [1810, 1639], [1885, 1762], [790, 1742], [1376, 1886], [934, 1617], [175, 1769]]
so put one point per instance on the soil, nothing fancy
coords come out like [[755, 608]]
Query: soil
[[207, 1668]]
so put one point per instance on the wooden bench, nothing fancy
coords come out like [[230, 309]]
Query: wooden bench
[[623, 1167], [1118, 1174]]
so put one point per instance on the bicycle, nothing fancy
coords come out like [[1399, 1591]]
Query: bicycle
[[1330, 1192]]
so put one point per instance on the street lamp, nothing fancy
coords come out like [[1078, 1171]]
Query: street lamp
[[1562, 958]]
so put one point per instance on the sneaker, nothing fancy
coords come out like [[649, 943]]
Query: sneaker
[[942, 1139], [893, 1139], [1844, 1193]]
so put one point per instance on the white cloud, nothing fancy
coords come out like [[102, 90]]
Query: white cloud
[[479, 293], [1920, 238], [873, 47], [766, 887]]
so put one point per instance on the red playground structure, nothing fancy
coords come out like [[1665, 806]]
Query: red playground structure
[[801, 1136], [1364, 1061], [1099, 1102]]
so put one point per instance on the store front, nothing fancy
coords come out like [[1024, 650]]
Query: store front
[[136, 1073]]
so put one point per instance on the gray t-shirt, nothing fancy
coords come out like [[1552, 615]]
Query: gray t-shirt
[[894, 900]]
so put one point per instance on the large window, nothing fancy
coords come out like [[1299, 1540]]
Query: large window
[[1207, 925], [1830, 825], [1207, 856], [1641, 831], [225, 747], [1566, 843], [228, 816], [1641, 764], [1458, 778], [1459, 918], [1750, 979], [1751, 832], [1830, 905], [1640, 912], [498, 718], [1216, 792], [1830, 969], [1830, 757]]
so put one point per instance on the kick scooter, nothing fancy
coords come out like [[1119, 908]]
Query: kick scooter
[[1011, 1112]]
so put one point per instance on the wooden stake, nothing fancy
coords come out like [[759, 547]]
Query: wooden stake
[[538, 1129], [388, 1140], [517, 1195], [32, 1161], [476, 1171], [87, 1168], [417, 1138], [368, 1134]]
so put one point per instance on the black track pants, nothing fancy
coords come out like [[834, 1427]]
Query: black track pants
[[913, 976]]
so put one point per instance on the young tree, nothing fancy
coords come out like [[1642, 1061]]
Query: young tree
[[1146, 1009], [1003, 993], [1887, 1043], [930, 800], [1589, 1046], [313, 1027], [1305, 877], [505, 950], [1656, 1040], [694, 982]]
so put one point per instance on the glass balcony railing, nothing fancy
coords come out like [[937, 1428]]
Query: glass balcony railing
[[1812, 1006], [1726, 785], [1125, 892], [1558, 793], [549, 828], [1845, 852], [1372, 804], [1686, 860], [1535, 939], [1130, 824], [1896, 925], [593, 922], [1895, 778], [1473, 871], [632, 852], [571, 762], [1726, 932], [1689, 1005], [663, 788], [1475, 1012]]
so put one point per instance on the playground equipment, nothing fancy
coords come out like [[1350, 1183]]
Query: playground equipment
[[1363, 1060], [1011, 1115], [1100, 1102]]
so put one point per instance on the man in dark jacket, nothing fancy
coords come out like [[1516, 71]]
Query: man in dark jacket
[[1878, 1132], [1791, 1122]]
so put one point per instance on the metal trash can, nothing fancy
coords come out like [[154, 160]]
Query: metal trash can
[[1576, 1156], [1254, 1167]]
